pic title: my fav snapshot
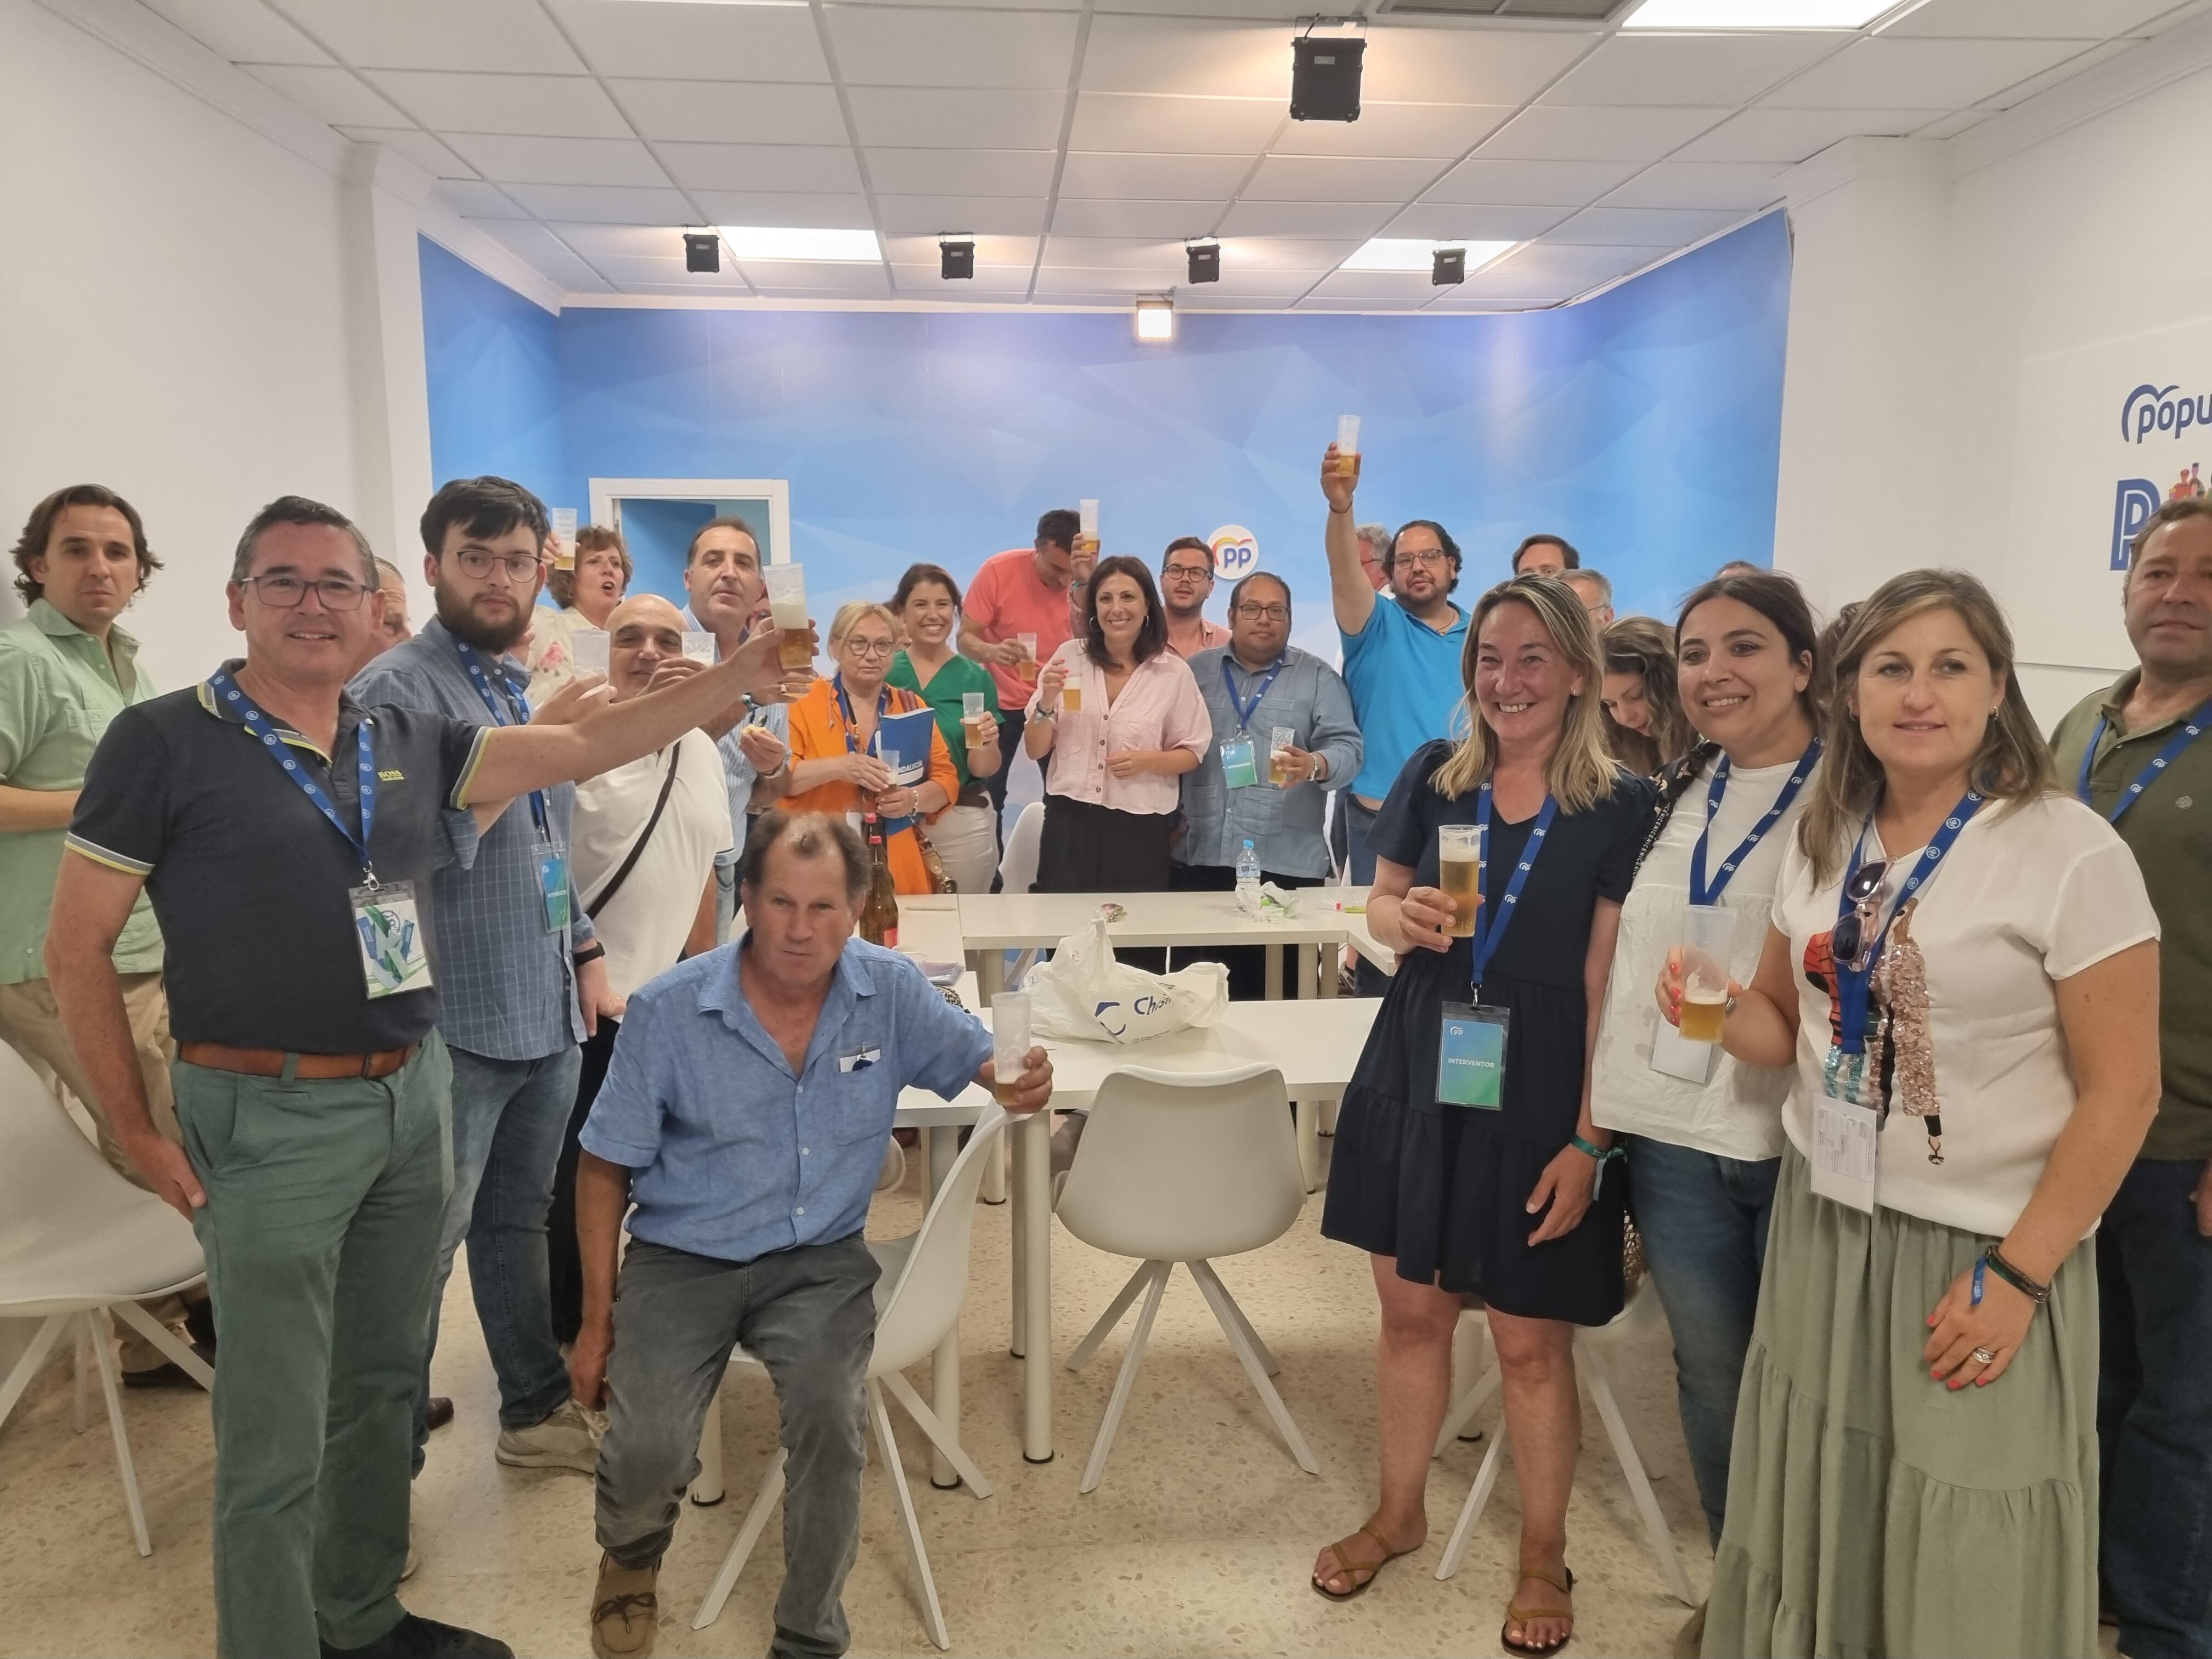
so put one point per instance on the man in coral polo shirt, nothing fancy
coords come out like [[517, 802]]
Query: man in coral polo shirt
[[1021, 591]]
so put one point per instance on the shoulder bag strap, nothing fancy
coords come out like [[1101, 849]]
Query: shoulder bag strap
[[637, 848]]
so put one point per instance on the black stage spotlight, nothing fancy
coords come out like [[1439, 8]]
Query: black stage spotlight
[[1205, 261], [1325, 77], [1449, 267], [702, 251], [956, 261]]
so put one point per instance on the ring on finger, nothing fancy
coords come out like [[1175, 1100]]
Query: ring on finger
[[1982, 1357]]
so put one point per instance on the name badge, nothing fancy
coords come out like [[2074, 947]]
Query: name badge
[[1240, 767], [860, 1060], [553, 885], [1675, 1055], [394, 954], [1471, 1056], [1846, 1146]]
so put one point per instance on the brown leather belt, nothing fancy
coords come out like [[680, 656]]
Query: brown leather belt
[[312, 1068]]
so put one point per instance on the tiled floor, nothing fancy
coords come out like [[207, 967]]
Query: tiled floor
[[1198, 1541]]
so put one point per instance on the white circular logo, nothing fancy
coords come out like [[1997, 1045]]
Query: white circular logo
[[1235, 552]]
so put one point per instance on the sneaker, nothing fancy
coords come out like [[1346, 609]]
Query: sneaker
[[625, 1610], [566, 1439], [424, 1639]]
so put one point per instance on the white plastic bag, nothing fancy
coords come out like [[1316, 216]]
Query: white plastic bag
[[1084, 993]]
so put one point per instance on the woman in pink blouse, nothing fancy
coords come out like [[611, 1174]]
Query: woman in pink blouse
[[1123, 721]]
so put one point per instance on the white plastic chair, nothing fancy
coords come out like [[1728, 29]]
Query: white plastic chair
[[1178, 1168], [924, 1280], [77, 1238], [1017, 864], [1641, 1311]]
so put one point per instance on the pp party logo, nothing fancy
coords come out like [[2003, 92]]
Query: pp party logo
[[1235, 552]]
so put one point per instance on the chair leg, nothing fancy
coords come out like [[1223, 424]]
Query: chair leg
[[1274, 1366], [33, 1358], [1639, 1484], [1110, 1318], [948, 1445], [165, 1339], [707, 1488], [879, 1417], [1478, 1498], [741, 1546], [104, 1357], [1308, 1128], [1158, 1273], [1233, 1327], [81, 1383], [1464, 1408]]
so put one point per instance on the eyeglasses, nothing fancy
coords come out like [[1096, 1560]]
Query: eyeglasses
[[870, 648], [475, 563], [285, 593], [1194, 573], [1264, 612], [1434, 558], [1852, 944]]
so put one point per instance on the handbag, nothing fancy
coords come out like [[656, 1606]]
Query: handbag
[[637, 848], [932, 862]]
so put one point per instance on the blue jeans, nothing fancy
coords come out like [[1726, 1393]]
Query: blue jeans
[[509, 1116], [2154, 1413], [1704, 1220]]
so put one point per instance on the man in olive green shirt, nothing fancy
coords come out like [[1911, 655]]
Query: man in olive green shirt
[[2132, 752], [65, 671]]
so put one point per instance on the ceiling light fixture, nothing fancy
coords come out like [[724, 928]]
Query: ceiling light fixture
[[702, 251], [1155, 320], [1756, 13], [1419, 254], [1448, 267], [955, 259], [786, 242], [1205, 260], [1325, 71]]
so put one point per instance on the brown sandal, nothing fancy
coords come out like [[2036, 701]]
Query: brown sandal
[[1351, 1568], [1517, 1615]]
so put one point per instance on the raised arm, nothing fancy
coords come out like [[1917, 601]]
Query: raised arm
[[1350, 592]]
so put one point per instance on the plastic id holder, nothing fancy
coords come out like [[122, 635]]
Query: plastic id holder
[[1240, 766], [1846, 1150], [553, 885], [1675, 1055], [394, 955], [1471, 1056]]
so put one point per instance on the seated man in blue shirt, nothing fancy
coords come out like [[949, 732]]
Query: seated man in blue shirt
[[745, 1113]]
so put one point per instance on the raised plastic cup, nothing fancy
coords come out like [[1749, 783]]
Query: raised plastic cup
[[1347, 445], [1086, 535], [1459, 874], [786, 609], [591, 645], [699, 645]]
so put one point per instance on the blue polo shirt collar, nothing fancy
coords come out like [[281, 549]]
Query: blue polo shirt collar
[[723, 994]]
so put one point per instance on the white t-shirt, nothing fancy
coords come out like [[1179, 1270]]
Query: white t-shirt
[[2026, 897], [644, 924], [1737, 1112]]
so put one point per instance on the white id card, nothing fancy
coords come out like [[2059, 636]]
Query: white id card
[[1674, 1054], [1846, 1147], [394, 956]]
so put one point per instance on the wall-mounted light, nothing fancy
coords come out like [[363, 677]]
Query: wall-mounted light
[[1155, 320]]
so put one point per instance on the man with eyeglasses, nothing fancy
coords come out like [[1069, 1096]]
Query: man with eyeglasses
[[1247, 789], [288, 838], [1186, 584]]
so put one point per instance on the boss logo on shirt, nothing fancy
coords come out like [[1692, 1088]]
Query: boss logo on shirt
[[394, 776]]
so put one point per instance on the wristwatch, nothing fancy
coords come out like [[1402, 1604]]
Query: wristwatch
[[1044, 714]]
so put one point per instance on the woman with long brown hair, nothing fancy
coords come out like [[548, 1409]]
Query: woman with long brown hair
[[1644, 725]]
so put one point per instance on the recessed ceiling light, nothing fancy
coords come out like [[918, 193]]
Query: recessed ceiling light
[[1756, 13], [1419, 254], [1155, 319], [779, 242]]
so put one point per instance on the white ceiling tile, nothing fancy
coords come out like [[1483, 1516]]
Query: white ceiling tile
[[1502, 286], [1787, 137], [979, 215], [1377, 285], [1573, 269], [1288, 254], [510, 161], [1180, 220], [761, 167], [1887, 73], [1258, 280], [1102, 286], [962, 172], [951, 48], [997, 5], [1740, 184], [1136, 177], [600, 242], [1412, 63], [1625, 227], [1326, 221], [1351, 306], [928, 282], [689, 43], [504, 36], [732, 112], [627, 271], [1213, 297], [957, 118], [1009, 251], [243, 34], [418, 147], [1550, 132], [1951, 125], [1441, 131], [1147, 258], [1340, 179], [1273, 11], [801, 209], [545, 251], [1194, 55], [1689, 68], [601, 205], [2021, 91], [473, 199], [1436, 221], [1460, 303], [818, 276], [553, 105], [336, 97], [2052, 19], [1125, 122], [1529, 184]]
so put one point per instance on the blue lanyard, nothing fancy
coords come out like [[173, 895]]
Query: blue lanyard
[[890, 826], [1705, 892], [1494, 917], [2192, 730], [259, 724], [514, 704], [1853, 988], [1246, 710]]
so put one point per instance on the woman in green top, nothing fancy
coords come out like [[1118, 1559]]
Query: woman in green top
[[928, 602]]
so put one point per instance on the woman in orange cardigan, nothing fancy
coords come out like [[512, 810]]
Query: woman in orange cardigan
[[836, 743]]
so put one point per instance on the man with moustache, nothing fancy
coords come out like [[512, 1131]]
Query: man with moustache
[[2131, 751], [523, 973]]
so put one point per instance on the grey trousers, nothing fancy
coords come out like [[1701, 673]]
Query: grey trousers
[[809, 1316]]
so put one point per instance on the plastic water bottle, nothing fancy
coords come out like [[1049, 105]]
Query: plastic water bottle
[[1248, 881]]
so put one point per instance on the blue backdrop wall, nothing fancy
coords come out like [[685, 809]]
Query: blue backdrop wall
[[1644, 426]]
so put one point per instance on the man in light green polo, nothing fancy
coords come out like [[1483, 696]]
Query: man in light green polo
[[65, 671]]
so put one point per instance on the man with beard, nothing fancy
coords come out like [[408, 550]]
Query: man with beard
[[522, 972], [1186, 584]]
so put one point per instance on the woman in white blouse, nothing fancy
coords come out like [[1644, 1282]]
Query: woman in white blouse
[[1963, 969]]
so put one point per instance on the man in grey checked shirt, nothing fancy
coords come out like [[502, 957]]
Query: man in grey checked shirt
[[521, 971]]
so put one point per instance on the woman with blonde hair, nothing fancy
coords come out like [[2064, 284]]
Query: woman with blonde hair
[[1644, 725], [1963, 970], [1465, 1162]]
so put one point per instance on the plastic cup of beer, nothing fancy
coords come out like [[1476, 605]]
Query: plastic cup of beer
[[1708, 939], [1459, 874], [592, 653], [564, 536], [1279, 756], [699, 645], [1010, 1042], [971, 716], [1071, 692], [1086, 517], [786, 609], [1348, 447], [1027, 668]]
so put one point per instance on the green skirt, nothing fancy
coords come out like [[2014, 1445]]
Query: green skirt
[[1872, 1511]]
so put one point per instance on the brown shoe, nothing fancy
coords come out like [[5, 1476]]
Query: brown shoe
[[437, 1412], [625, 1610]]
